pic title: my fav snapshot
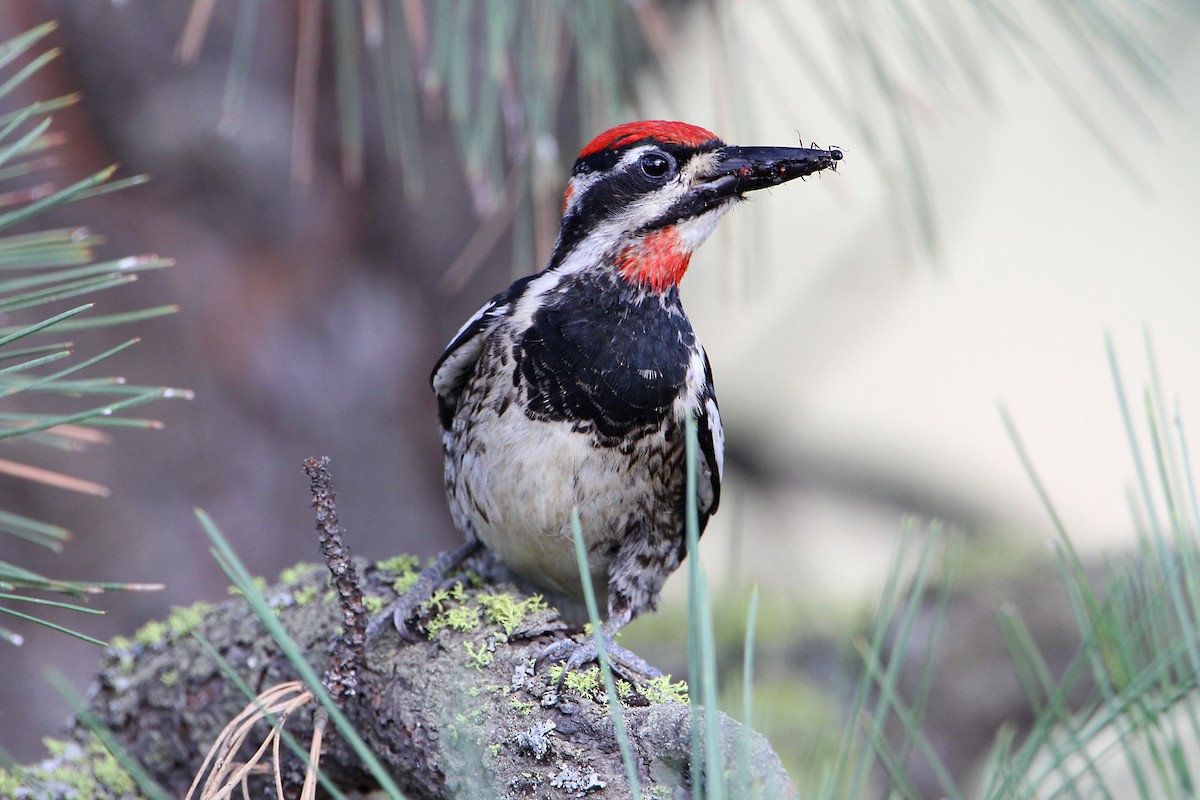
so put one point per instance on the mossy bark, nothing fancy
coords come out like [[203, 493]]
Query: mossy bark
[[460, 714]]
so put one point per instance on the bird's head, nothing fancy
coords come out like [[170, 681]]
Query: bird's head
[[644, 195]]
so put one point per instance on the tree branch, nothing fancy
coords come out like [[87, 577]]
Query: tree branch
[[457, 715]]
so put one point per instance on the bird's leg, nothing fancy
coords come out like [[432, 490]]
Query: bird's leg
[[401, 610], [632, 588], [575, 654]]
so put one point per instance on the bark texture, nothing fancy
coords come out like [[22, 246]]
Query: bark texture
[[461, 714]]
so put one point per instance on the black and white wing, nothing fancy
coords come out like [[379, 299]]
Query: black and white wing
[[457, 363], [710, 436]]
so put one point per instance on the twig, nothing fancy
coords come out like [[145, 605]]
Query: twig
[[341, 678]]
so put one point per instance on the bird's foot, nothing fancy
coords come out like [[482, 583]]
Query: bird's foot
[[402, 611], [573, 654]]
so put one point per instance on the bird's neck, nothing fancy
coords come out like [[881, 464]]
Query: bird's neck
[[655, 262], [652, 263]]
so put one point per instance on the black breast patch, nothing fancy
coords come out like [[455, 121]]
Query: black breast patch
[[614, 367]]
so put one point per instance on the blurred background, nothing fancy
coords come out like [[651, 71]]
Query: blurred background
[[342, 184]]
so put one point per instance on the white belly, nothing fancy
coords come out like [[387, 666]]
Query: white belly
[[518, 491]]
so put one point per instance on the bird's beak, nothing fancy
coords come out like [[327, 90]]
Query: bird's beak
[[744, 169]]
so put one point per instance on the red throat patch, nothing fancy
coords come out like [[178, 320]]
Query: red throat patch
[[656, 262], [660, 130]]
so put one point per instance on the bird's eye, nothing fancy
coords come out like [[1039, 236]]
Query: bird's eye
[[656, 164]]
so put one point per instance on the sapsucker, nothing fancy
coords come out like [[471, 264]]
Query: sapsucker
[[570, 389]]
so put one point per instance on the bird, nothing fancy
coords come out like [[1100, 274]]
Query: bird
[[569, 391]]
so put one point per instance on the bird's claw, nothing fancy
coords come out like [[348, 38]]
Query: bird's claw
[[402, 611], [574, 655]]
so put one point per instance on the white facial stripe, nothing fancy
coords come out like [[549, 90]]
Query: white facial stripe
[[693, 232], [531, 300], [631, 156], [579, 185], [702, 164]]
